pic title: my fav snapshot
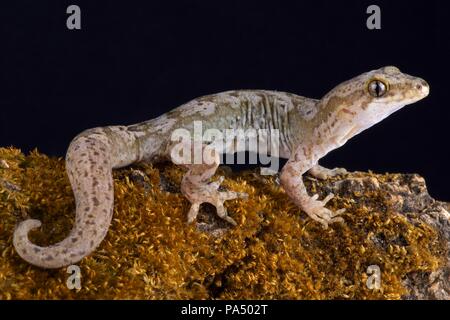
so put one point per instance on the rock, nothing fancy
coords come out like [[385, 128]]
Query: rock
[[275, 252], [166, 185], [141, 179], [9, 185], [409, 197]]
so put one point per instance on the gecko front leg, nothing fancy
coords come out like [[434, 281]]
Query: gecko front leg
[[292, 181]]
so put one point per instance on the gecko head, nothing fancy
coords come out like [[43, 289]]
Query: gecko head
[[389, 88], [372, 96]]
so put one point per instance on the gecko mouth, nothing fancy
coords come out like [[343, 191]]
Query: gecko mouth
[[350, 133], [354, 130]]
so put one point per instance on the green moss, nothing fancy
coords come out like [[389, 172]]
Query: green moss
[[275, 252]]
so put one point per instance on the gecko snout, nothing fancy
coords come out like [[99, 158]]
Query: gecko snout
[[422, 87]]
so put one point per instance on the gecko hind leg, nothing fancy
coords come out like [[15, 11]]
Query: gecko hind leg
[[197, 187], [323, 173]]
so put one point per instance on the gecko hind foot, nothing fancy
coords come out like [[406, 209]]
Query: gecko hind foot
[[200, 193]]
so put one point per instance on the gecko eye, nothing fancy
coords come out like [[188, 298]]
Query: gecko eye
[[377, 88]]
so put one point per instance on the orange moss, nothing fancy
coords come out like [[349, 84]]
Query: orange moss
[[275, 252]]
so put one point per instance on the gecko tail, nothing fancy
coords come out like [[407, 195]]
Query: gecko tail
[[90, 159], [58, 255]]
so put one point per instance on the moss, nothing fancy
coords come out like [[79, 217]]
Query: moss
[[275, 252]]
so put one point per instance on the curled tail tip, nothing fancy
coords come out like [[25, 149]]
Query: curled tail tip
[[22, 230], [21, 242], [28, 251], [58, 255], [28, 225]]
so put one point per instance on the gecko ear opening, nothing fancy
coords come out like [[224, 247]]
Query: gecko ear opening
[[377, 88]]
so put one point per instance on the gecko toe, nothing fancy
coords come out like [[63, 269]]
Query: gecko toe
[[327, 198], [230, 195], [216, 184], [193, 212], [339, 212], [222, 213], [337, 220]]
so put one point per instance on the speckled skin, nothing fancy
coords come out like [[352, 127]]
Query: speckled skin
[[309, 129]]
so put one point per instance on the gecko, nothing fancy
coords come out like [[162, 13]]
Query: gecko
[[309, 129]]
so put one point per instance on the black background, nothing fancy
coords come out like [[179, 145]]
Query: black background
[[171, 309], [134, 60]]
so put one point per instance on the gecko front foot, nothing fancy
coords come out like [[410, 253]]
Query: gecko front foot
[[323, 173], [198, 193], [317, 211]]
